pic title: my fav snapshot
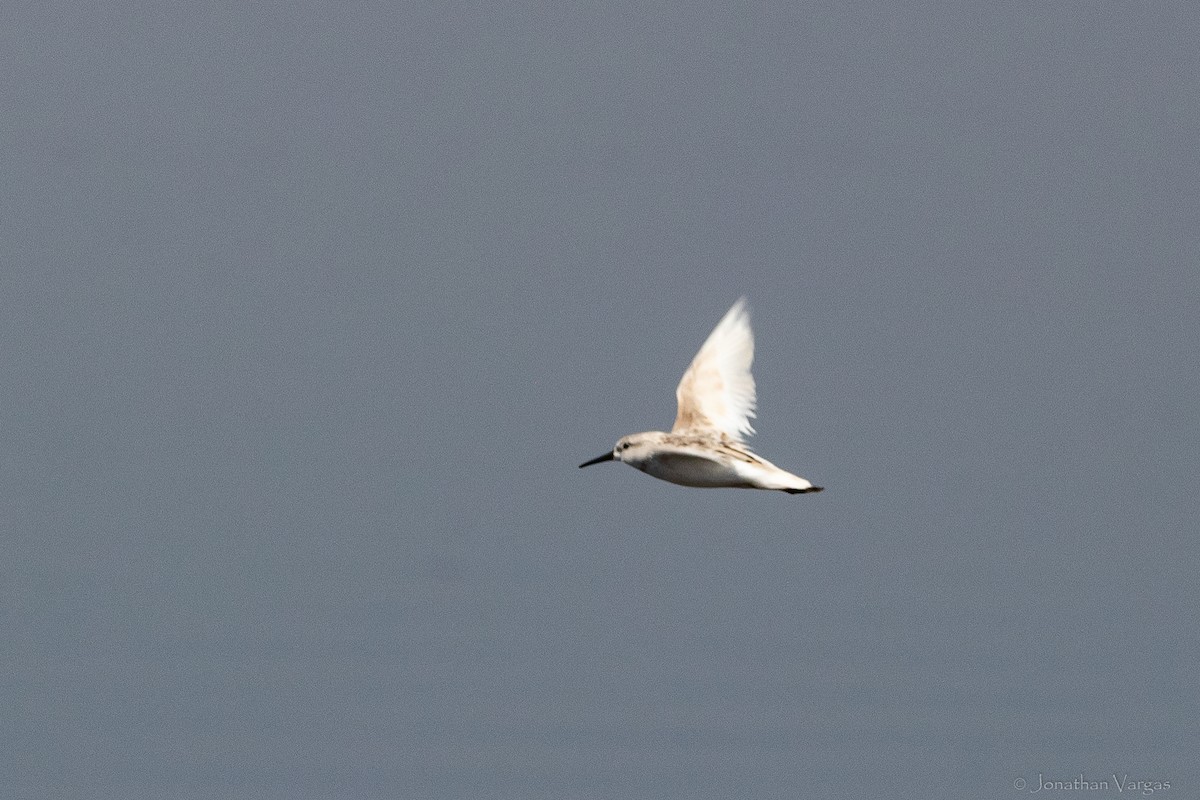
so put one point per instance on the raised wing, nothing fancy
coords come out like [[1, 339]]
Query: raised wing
[[717, 391]]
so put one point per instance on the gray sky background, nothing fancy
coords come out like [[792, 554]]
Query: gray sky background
[[310, 311]]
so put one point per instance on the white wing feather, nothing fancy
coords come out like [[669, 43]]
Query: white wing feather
[[717, 391]]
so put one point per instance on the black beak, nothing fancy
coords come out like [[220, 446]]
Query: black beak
[[606, 457]]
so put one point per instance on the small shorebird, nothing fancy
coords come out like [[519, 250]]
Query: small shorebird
[[716, 401]]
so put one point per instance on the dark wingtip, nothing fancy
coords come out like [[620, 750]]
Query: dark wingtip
[[809, 490]]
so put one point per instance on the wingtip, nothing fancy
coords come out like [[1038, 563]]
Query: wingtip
[[809, 490]]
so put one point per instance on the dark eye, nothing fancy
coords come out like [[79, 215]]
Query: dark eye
[[625, 446]]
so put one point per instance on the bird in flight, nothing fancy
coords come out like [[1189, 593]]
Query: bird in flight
[[716, 401]]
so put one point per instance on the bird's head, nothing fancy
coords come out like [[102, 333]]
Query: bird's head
[[632, 449]]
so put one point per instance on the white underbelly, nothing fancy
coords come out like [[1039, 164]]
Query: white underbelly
[[694, 471]]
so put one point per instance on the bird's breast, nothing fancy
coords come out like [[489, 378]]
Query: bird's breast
[[687, 469]]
